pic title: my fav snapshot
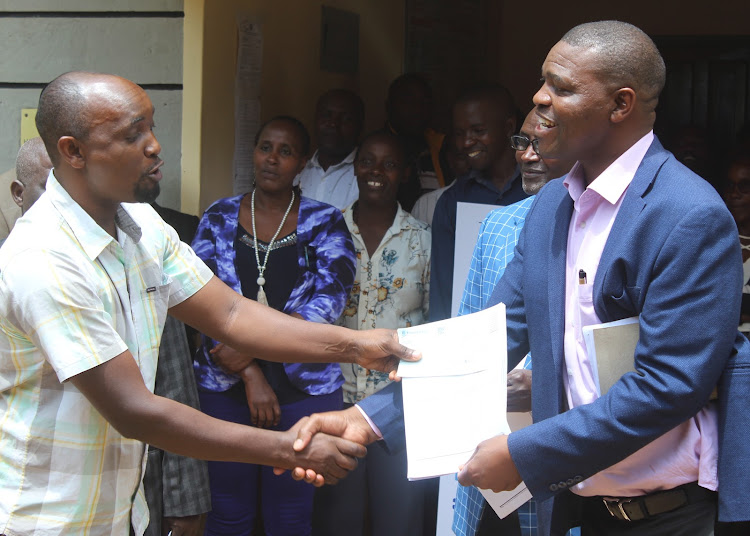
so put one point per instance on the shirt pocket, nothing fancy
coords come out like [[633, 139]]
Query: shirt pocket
[[154, 303], [586, 294]]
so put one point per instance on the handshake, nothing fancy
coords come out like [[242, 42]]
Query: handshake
[[326, 445]]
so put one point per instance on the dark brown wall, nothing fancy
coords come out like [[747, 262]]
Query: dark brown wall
[[523, 32]]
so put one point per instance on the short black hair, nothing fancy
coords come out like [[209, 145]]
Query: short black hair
[[627, 56], [31, 158], [61, 111], [492, 92], [351, 96], [304, 135], [387, 134]]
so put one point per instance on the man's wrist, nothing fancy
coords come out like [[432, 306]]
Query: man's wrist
[[373, 426]]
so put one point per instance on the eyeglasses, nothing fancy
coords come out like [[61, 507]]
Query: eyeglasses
[[742, 186], [519, 142]]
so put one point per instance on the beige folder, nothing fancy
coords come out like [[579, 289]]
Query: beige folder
[[611, 348]]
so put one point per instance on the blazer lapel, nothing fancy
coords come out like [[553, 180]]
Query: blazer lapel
[[631, 208], [558, 247]]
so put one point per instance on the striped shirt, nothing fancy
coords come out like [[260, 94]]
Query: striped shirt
[[71, 298]]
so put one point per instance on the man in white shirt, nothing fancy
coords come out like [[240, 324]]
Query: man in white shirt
[[329, 175]]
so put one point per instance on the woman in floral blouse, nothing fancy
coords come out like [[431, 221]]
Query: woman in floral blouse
[[295, 255], [390, 291]]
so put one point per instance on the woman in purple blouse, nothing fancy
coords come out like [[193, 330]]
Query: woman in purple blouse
[[296, 255]]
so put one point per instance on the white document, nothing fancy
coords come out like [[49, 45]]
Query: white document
[[507, 502], [455, 396]]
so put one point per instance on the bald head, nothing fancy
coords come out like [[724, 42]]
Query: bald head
[[32, 168], [626, 56], [64, 106], [61, 111]]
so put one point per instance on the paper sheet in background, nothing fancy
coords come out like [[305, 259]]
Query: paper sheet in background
[[246, 100], [455, 397], [469, 217]]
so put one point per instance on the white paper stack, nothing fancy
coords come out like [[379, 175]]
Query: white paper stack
[[455, 397]]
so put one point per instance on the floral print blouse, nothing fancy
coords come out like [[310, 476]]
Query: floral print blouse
[[391, 290]]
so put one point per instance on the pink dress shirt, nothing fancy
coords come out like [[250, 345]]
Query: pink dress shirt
[[686, 453]]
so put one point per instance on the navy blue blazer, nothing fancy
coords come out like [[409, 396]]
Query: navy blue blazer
[[673, 258]]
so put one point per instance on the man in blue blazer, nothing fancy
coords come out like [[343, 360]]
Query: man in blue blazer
[[646, 457]]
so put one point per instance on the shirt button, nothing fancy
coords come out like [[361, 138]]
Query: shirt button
[[583, 224]]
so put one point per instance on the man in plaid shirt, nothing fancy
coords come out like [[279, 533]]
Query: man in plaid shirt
[[86, 279]]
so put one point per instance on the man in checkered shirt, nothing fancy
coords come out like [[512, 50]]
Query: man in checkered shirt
[[86, 279]]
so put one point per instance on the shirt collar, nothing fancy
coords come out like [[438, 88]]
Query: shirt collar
[[400, 222], [90, 235], [614, 180], [313, 162]]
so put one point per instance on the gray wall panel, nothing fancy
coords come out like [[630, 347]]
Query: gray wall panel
[[91, 5], [145, 50], [168, 119]]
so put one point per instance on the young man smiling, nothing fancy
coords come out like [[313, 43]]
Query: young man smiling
[[484, 118]]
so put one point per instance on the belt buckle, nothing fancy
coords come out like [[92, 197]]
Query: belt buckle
[[615, 507]]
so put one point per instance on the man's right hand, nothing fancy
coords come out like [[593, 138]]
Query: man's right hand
[[347, 424], [326, 457]]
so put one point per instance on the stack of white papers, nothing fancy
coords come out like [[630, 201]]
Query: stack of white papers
[[456, 396]]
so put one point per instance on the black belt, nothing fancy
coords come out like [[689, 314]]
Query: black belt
[[659, 502]]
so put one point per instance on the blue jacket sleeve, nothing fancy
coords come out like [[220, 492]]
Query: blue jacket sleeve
[[386, 409]]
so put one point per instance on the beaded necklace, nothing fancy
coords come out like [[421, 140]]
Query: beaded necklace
[[262, 268]]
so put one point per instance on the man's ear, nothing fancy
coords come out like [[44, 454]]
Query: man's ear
[[16, 191], [70, 152], [624, 103]]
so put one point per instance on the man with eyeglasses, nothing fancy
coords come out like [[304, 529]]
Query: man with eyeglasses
[[496, 241], [483, 119]]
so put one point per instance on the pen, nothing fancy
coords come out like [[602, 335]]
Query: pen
[[581, 277]]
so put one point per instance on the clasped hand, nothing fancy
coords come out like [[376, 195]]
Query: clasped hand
[[326, 457], [348, 425]]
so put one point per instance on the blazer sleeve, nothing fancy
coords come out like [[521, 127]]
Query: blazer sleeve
[[688, 321], [386, 410]]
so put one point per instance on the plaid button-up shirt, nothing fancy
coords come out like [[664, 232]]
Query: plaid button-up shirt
[[71, 298]]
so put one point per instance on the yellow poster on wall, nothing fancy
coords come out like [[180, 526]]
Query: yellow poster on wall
[[28, 124]]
